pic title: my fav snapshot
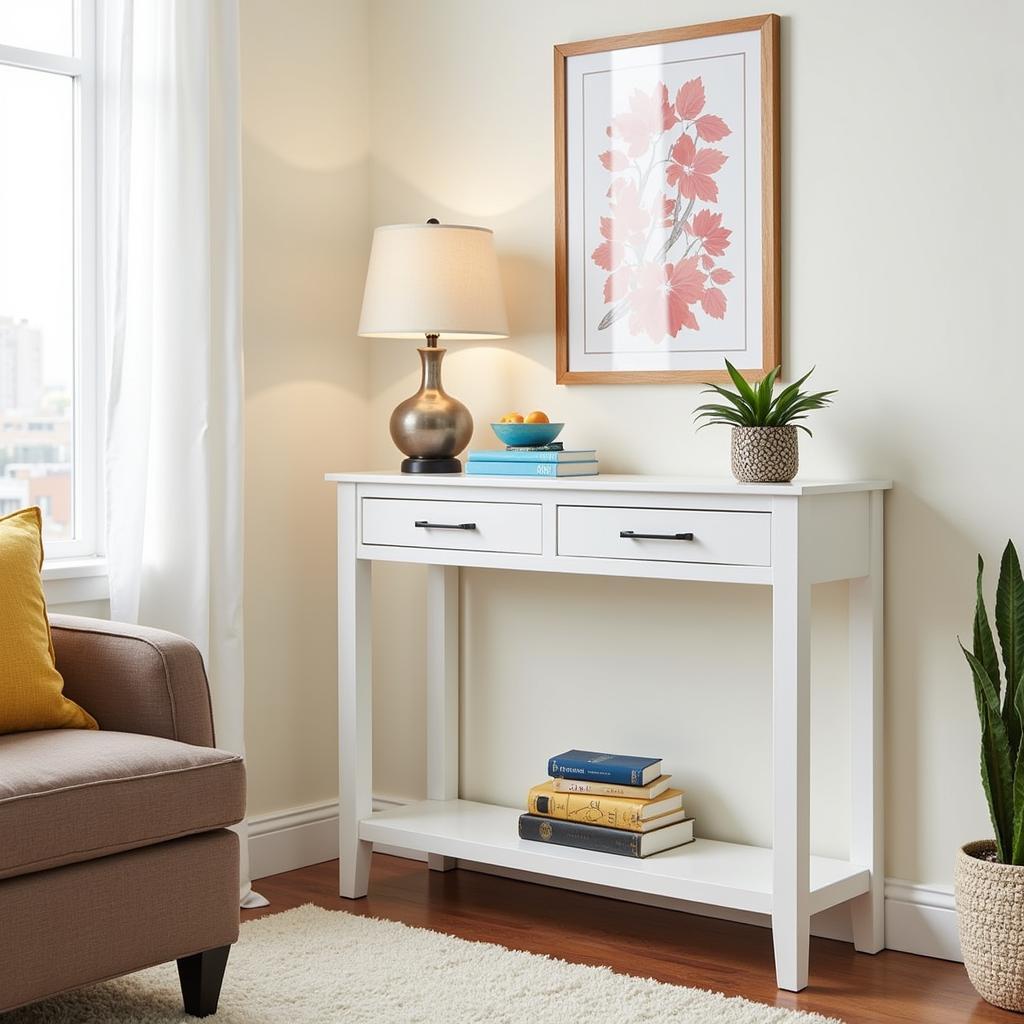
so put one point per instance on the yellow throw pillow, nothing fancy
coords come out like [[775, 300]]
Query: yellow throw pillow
[[31, 688]]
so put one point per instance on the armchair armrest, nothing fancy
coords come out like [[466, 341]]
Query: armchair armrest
[[134, 679]]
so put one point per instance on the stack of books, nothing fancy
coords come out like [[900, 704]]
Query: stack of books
[[610, 803], [546, 460]]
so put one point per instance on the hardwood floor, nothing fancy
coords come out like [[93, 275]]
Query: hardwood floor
[[677, 948]]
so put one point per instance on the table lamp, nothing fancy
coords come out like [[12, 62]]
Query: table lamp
[[441, 282]]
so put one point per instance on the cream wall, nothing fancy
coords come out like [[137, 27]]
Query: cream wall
[[902, 217], [306, 227], [902, 220]]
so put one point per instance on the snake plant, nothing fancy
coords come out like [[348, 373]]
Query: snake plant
[[1002, 720], [752, 405]]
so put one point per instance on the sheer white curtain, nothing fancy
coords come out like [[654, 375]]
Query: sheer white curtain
[[171, 285]]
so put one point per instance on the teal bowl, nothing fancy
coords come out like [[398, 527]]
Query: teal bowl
[[527, 434]]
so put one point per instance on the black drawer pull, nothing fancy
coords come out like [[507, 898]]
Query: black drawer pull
[[655, 536], [424, 525]]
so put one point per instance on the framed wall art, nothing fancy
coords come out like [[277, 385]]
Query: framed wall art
[[667, 204]]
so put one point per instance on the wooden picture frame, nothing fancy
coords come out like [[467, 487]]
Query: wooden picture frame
[[633, 293]]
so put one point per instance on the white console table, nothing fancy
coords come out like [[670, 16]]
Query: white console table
[[785, 536]]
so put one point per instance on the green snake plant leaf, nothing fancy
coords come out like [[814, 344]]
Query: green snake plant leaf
[[986, 691], [984, 645], [1010, 627], [997, 775], [1017, 853]]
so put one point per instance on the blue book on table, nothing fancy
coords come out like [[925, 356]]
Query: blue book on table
[[479, 468], [597, 767], [520, 455]]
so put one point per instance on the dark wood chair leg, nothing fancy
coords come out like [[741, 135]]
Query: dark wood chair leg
[[201, 976]]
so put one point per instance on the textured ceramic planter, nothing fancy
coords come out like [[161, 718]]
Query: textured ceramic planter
[[990, 915], [764, 455]]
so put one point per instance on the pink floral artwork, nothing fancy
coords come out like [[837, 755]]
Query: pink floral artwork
[[662, 238]]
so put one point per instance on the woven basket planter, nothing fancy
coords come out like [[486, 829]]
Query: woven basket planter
[[765, 455], [990, 914]]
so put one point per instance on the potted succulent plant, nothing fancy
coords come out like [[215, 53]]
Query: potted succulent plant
[[989, 878], [764, 427]]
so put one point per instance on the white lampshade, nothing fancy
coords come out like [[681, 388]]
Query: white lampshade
[[433, 279]]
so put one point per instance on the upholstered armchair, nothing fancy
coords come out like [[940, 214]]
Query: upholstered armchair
[[115, 853]]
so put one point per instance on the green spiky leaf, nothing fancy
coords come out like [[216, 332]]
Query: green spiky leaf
[[756, 406], [741, 385], [764, 395], [714, 409], [711, 414], [984, 645], [1010, 627], [1017, 852], [791, 391], [997, 769], [742, 406]]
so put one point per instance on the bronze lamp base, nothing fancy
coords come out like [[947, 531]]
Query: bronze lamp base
[[431, 427]]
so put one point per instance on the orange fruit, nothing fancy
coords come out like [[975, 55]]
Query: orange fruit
[[536, 417], [512, 417]]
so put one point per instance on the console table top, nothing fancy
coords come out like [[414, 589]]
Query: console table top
[[616, 482]]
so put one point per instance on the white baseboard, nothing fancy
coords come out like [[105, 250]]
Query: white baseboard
[[286, 840], [919, 919]]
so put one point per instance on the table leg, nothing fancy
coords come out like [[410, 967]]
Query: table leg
[[791, 607], [355, 698], [442, 691], [867, 799]]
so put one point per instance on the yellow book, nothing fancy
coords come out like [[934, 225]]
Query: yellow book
[[610, 811]]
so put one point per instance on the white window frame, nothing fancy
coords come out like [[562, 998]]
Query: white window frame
[[84, 555]]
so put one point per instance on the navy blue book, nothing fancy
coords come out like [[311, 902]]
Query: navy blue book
[[602, 839], [595, 767]]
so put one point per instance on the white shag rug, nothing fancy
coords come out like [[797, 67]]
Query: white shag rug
[[315, 966]]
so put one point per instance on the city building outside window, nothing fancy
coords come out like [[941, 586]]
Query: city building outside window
[[49, 352]]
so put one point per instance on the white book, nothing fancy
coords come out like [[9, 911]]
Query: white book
[[666, 838]]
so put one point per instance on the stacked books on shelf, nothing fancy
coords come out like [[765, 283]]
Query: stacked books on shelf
[[609, 803], [545, 460]]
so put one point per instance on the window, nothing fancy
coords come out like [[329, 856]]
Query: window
[[49, 357]]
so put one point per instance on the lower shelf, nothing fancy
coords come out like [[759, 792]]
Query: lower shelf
[[705, 871]]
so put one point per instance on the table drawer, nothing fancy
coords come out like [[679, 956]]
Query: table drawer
[[459, 525], [665, 534]]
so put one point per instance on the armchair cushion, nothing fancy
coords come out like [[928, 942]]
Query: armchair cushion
[[71, 795], [31, 688]]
